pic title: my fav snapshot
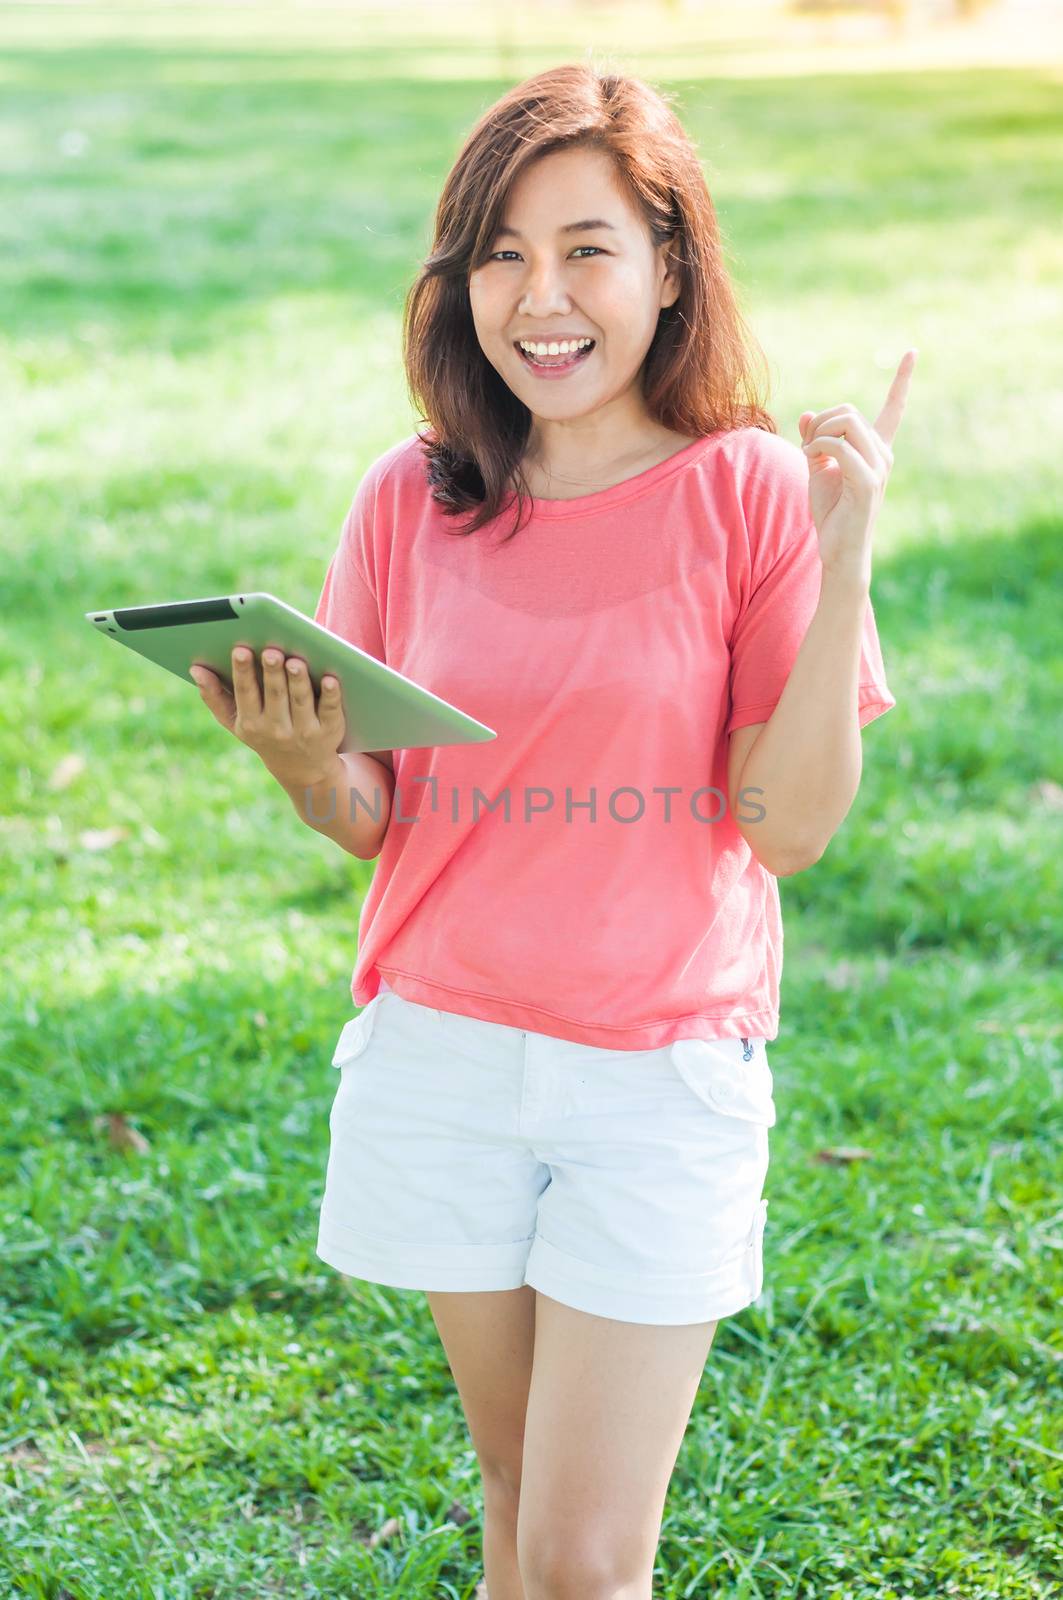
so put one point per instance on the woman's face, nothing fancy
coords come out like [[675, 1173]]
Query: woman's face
[[547, 280]]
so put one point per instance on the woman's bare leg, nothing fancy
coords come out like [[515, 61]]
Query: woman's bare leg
[[489, 1340]]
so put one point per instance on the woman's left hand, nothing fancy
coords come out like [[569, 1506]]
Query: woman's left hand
[[849, 463]]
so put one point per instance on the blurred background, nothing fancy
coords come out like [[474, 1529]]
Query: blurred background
[[209, 217]]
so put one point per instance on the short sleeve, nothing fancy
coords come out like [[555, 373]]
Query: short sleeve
[[783, 591], [347, 605]]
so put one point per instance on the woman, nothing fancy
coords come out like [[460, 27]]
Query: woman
[[554, 1105]]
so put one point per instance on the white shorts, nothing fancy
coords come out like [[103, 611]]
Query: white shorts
[[467, 1155]]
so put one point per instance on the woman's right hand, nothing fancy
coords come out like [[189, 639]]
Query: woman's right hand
[[295, 734]]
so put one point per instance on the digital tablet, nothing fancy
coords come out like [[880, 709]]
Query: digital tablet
[[383, 710]]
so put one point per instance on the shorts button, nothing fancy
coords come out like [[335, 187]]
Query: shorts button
[[722, 1088]]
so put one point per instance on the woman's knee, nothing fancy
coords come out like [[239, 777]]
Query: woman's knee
[[501, 1485], [589, 1566]]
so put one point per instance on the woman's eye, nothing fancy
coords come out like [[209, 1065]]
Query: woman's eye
[[593, 247]]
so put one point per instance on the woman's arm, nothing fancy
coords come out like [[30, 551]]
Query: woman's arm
[[807, 758], [351, 805], [805, 763]]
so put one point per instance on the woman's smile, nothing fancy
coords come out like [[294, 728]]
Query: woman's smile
[[555, 366]]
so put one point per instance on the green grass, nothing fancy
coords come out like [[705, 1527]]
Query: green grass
[[198, 359]]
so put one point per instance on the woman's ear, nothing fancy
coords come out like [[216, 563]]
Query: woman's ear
[[672, 282]]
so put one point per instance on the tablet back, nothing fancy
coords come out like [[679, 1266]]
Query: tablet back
[[383, 709]]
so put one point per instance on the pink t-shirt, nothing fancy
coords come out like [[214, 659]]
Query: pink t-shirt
[[577, 875]]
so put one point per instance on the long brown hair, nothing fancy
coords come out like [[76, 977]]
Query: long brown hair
[[696, 374]]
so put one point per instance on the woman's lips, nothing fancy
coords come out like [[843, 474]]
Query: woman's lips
[[562, 369]]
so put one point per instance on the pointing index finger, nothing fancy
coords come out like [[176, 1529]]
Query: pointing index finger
[[889, 418]]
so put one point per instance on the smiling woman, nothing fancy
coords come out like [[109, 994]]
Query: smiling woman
[[607, 233], [556, 1122], [581, 373]]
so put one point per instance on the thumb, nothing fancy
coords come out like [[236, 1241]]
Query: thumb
[[218, 699]]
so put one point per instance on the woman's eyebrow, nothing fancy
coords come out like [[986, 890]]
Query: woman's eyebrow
[[569, 227]]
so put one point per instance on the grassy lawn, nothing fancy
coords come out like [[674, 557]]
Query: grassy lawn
[[205, 238]]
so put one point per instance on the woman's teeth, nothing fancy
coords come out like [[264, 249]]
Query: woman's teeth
[[554, 353]]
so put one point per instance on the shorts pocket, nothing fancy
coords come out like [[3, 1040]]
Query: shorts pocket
[[755, 1250], [718, 1073], [356, 1034]]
